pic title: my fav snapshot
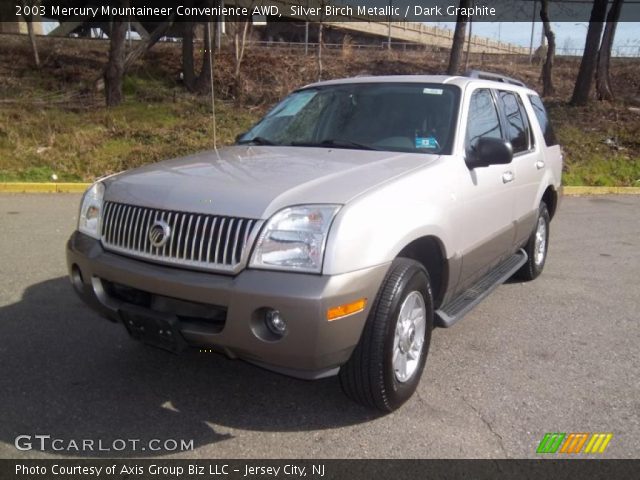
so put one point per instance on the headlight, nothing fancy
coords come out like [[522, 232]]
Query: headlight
[[294, 239], [91, 211]]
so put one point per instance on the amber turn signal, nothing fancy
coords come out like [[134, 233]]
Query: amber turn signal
[[334, 313]]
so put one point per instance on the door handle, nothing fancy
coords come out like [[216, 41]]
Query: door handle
[[507, 176], [540, 164]]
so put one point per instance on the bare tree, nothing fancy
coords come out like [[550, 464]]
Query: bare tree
[[469, 36], [458, 39], [603, 79], [143, 47], [540, 54], [146, 44], [114, 73], [201, 82], [196, 83], [309, 19], [582, 88], [547, 67], [188, 70], [240, 34], [29, 21]]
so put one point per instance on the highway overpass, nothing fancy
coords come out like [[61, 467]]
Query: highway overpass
[[359, 27]]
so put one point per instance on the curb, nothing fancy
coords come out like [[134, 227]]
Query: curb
[[574, 191], [50, 187]]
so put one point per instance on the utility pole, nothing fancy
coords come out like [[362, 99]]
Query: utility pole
[[220, 28], [306, 38], [466, 59], [389, 34], [533, 26]]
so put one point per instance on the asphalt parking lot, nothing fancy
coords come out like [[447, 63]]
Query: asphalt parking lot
[[560, 354]]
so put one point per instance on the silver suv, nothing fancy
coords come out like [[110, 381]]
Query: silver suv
[[353, 218]]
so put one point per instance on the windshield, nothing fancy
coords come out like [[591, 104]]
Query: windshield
[[402, 117]]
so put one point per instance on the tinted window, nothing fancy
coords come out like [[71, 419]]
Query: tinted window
[[543, 120], [483, 120], [517, 124], [411, 117]]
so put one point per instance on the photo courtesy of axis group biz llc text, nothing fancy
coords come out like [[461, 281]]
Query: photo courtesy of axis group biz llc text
[[320, 239]]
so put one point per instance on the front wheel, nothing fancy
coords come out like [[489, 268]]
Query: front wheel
[[536, 247], [386, 365]]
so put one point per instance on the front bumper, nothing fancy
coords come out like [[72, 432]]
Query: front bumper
[[312, 348]]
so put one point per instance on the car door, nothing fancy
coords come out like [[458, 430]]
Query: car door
[[487, 227], [528, 163]]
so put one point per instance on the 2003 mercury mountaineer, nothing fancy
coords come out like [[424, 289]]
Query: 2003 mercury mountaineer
[[353, 218]]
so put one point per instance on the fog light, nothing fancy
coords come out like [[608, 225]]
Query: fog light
[[275, 322]]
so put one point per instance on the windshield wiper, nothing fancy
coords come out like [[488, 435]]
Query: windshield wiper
[[256, 141], [335, 144]]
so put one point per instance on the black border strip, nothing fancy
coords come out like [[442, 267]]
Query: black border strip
[[324, 469], [377, 10]]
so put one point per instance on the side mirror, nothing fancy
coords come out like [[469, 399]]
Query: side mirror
[[489, 151]]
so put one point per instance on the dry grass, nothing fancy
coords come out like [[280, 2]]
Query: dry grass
[[53, 121]]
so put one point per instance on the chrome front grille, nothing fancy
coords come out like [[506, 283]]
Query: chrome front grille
[[195, 240]]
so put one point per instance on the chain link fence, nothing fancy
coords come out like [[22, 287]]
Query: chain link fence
[[623, 51]]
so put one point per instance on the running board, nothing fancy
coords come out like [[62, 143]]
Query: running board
[[453, 311]]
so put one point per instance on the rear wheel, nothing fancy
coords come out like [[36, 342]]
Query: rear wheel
[[386, 365], [536, 247]]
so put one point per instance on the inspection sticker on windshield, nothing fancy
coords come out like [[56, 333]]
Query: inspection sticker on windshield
[[295, 103], [432, 91], [426, 142]]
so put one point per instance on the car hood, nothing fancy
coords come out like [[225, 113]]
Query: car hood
[[256, 181]]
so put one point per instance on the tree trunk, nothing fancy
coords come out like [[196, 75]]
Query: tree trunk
[[32, 38], [188, 73], [114, 73], [239, 43], [458, 40], [603, 79], [466, 56], [147, 44], [195, 83], [203, 82], [28, 19], [547, 68], [582, 89]]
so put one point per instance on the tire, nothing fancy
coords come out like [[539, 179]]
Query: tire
[[370, 376], [536, 251]]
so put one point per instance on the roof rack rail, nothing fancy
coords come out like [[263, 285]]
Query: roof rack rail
[[496, 77]]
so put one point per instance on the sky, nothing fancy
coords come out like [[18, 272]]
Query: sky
[[568, 35]]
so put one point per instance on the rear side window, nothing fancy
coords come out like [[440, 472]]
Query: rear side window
[[483, 120], [543, 120], [517, 121]]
